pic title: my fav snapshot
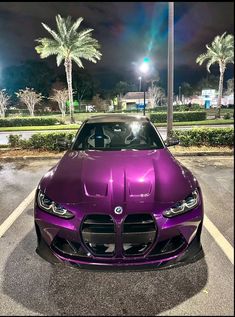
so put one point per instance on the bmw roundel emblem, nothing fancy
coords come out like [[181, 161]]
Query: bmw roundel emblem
[[118, 210]]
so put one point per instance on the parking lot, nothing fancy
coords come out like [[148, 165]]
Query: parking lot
[[31, 286]]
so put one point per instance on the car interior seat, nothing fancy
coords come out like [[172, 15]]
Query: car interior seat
[[135, 139], [98, 138]]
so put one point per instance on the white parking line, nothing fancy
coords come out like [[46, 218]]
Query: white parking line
[[208, 224], [219, 239], [16, 213]]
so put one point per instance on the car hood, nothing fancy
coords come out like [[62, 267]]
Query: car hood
[[133, 179]]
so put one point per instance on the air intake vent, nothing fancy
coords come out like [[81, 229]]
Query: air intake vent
[[69, 248], [168, 246]]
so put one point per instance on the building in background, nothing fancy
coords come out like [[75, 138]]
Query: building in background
[[209, 98], [228, 100], [134, 100]]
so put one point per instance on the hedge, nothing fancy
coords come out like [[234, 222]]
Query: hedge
[[205, 136], [25, 113], [29, 121], [185, 107], [179, 116], [43, 141], [193, 137]]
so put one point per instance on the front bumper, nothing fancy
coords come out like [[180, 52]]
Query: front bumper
[[172, 242]]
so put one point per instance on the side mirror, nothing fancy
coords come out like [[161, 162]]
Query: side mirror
[[63, 144], [171, 142]]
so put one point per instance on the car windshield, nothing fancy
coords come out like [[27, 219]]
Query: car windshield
[[117, 136]]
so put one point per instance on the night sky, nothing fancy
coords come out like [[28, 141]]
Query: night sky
[[127, 32]]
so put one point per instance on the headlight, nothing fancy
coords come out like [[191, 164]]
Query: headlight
[[183, 206], [51, 207]]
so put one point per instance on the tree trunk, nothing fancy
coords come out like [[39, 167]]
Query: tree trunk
[[31, 110], [68, 70], [3, 113], [62, 108], [221, 81]]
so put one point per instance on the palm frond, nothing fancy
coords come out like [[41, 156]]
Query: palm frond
[[60, 26], [75, 25], [210, 62], [202, 58], [68, 43], [53, 33], [47, 47], [84, 33], [220, 51], [77, 60], [59, 59]]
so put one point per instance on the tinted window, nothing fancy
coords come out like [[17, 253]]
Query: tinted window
[[117, 136]]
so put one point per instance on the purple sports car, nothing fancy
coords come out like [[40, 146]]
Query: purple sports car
[[118, 198]]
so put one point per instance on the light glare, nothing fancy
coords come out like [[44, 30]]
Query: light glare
[[144, 67]]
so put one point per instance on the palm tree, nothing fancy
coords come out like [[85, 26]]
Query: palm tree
[[220, 52], [69, 45]]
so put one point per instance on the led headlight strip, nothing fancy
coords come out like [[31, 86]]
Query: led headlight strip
[[183, 206], [48, 205]]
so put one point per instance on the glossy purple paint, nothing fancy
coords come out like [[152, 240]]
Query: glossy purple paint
[[141, 181]]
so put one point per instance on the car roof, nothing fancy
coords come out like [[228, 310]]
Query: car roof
[[116, 118]]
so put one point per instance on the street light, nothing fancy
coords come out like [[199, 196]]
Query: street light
[[140, 83], [180, 94], [170, 75], [144, 69]]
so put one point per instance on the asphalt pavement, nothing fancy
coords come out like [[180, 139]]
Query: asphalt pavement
[[31, 286]]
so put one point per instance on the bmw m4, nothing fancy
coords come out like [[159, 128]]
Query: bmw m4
[[119, 198]]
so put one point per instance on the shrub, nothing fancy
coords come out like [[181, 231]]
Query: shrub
[[227, 116], [35, 121], [43, 141], [205, 136], [187, 107], [193, 137], [181, 108], [160, 109], [14, 140], [17, 112], [179, 116], [25, 113], [195, 107]]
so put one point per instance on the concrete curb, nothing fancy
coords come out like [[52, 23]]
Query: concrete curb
[[204, 154], [29, 157]]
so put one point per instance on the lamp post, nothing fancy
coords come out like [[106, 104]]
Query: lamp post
[[144, 100], [144, 69], [140, 83], [170, 75], [180, 94]]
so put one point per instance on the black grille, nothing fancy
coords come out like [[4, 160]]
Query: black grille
[[66, 247], [138, 234], [168, 246], [98, 234]]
